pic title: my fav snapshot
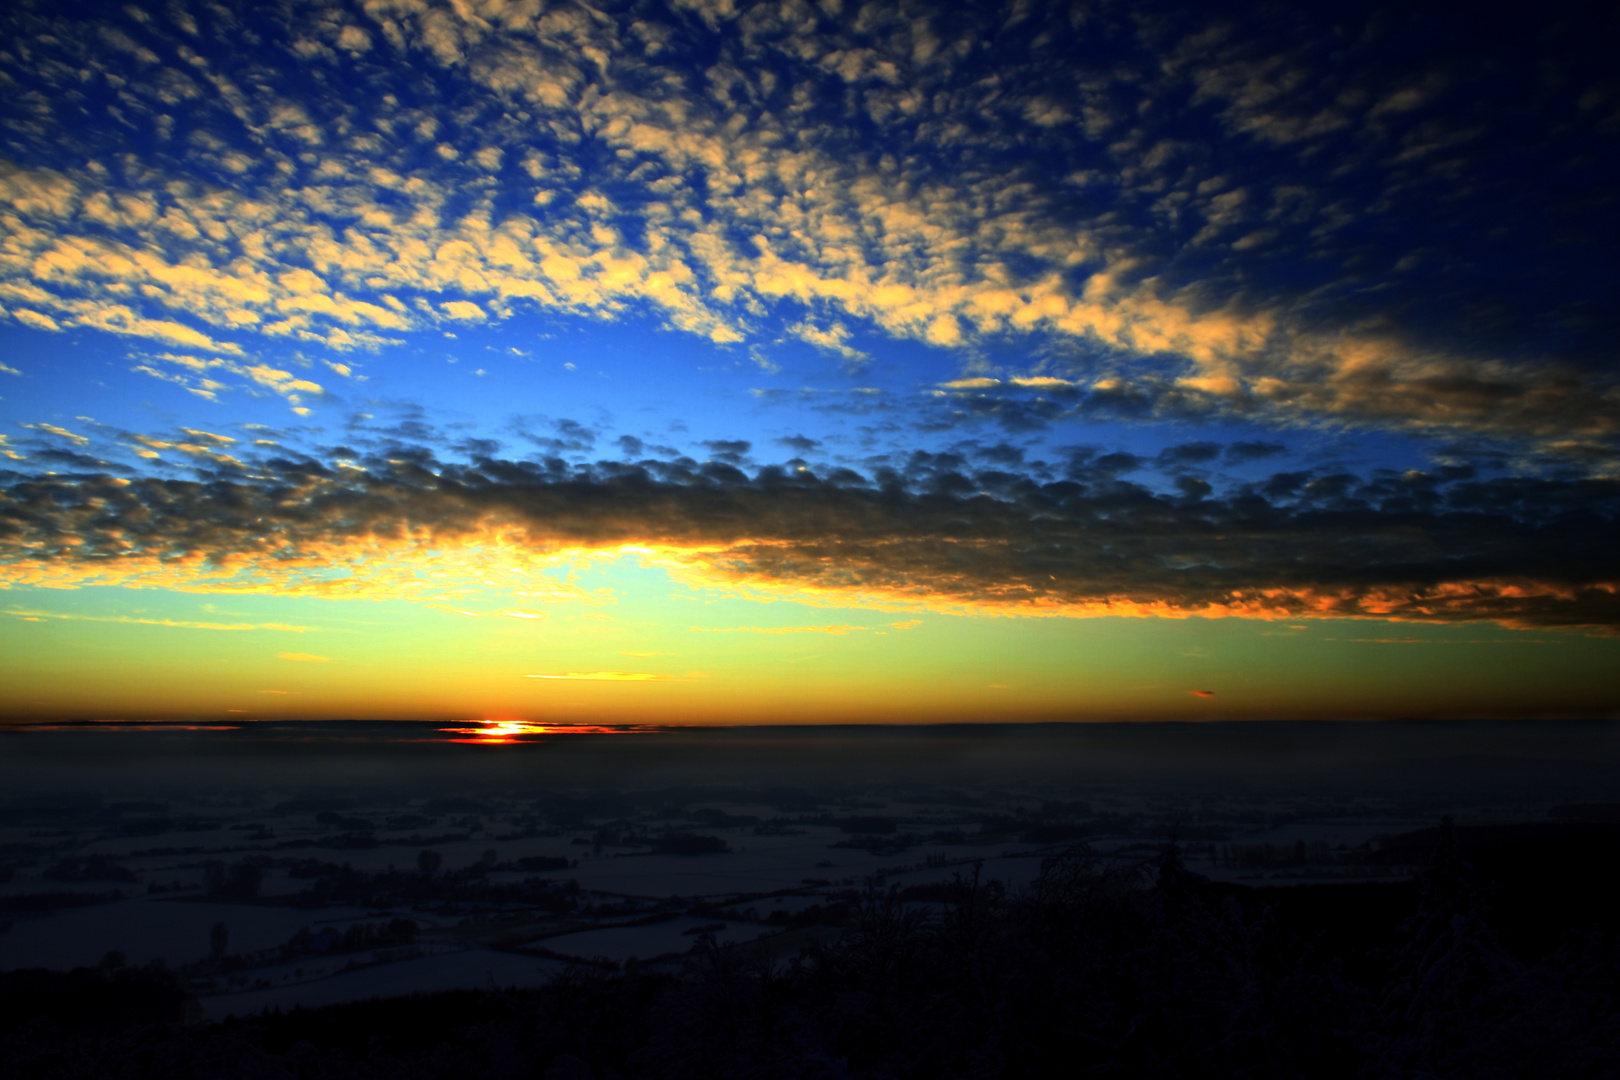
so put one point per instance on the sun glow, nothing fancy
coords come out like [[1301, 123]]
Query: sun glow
[[516, 568], [501, 730]]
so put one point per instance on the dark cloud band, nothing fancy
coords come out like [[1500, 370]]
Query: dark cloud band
[[1408, 546]]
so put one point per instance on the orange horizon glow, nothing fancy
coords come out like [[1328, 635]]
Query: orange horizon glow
[[526, 645]]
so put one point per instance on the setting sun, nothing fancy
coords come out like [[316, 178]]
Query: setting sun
[[495, 731]]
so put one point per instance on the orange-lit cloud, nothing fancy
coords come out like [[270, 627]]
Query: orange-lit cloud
[[1202, 693], [305, 657]]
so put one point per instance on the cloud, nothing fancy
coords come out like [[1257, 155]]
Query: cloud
[[834, 338], [1202, 693], [800, 444], [1229, 211], [304, 657], [191, 376], [570, 435], [35, 320], [465, 310], [1406, 546], [1521, 403], [1253, 451], [60, 433], [176, 623], [1194, 453], [730, 451], [209, 437]]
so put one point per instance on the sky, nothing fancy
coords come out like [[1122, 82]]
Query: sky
[[705, 362]]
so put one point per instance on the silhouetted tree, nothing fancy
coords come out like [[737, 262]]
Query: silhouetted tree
[[1095, 970], [1459, 1004]]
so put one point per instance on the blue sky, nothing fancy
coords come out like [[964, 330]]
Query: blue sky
[[1239, 311]]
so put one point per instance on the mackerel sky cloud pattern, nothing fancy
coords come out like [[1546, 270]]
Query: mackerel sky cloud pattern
[[1199, 205], [1050, 309]]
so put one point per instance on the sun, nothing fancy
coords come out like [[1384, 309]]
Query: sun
[[496, 731]]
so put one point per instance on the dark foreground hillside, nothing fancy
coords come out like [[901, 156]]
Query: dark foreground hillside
[[1494, 962]]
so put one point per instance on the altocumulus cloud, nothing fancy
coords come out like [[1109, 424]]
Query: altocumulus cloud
[[1239, 209], [1412, 545]]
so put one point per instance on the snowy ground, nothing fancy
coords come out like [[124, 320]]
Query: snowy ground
[[139, 843]]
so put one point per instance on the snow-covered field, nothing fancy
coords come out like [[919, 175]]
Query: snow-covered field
[[272, 874]]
